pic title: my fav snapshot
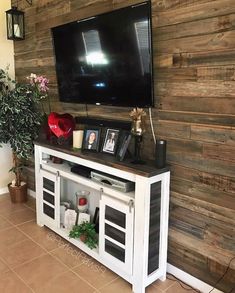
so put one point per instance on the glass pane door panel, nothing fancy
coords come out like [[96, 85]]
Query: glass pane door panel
[[154, 227], [115, 250], [115, 216], [48, 184], [115, 234], [49, 211], [48, 197]]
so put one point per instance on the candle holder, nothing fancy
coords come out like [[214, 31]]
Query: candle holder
[[137, 155], [82, 201]]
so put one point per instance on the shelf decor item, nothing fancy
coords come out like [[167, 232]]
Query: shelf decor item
[[62, 126], [82, 200], [20, 122], [77, 139], [138, 128], [110, 142], [86, 232], [91, 139]]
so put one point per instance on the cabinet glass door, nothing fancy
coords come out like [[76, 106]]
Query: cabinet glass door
[[116, 232], [50, 198]]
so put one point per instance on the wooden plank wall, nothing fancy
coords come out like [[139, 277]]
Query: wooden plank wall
[[194, 66]]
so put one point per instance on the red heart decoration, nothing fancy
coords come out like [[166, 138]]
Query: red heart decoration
[[61, 124]]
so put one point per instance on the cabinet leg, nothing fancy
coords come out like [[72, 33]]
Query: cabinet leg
[[163, 277], [138, 288], [40, 224]]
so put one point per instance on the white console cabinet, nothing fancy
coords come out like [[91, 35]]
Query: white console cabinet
[[133, 226]]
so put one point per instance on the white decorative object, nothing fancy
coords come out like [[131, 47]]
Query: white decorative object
[[62, 214], [77, 138], [70, 217], [83, 217]]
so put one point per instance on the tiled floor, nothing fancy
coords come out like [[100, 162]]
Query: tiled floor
[[34, 259]]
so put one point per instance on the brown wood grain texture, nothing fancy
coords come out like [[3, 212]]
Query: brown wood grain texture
[[194, 88]]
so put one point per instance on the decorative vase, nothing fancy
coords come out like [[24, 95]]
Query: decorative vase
[[18, 193]]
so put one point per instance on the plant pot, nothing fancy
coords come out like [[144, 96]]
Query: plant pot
[[83, 238], [18, 193]]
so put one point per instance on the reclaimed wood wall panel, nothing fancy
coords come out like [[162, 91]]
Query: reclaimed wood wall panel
[[194, 85]]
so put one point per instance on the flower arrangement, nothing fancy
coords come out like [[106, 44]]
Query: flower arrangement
[[21, 116], [138, 116]]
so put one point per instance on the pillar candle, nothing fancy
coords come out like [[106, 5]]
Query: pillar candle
[[77, 138], [16, 30]]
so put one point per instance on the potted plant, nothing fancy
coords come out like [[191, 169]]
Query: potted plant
[[86, 232], [20, 121]]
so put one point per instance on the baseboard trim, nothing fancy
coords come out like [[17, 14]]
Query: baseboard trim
[[3, 190], [32, 193], [191, 280]]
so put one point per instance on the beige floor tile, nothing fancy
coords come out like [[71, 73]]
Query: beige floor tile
[[95, 273], [177, 288], [42, 235], [3, 267], [31, 228], [22, 216], [5, 196], [163, 285], [64, 283], [10, 283], [49, 240], [4, 224], [10, 236], [31, 202], [7, 207], [69, 255], [40, 271], [21, 252], [117, 286], [152, 289]]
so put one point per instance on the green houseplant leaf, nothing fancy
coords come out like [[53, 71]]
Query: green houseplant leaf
[[87, 230], [20, 116]]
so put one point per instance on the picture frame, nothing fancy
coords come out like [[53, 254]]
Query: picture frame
[[110, 142], [123, 145], [91, 139], [96, 219]]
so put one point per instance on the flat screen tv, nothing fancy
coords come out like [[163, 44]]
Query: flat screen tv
[[106, 59]]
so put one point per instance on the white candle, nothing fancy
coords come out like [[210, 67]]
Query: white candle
[[16, 30], [77, 138]]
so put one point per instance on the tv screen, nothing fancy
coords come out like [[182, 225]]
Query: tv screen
[[106, 59]]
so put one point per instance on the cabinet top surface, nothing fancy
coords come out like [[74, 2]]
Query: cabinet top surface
[[146, 170]]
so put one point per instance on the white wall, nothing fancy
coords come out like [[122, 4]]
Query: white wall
[[6, 58]]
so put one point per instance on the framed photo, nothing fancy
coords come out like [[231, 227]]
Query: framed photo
[[110, 142], [91, 139], [123, 145]]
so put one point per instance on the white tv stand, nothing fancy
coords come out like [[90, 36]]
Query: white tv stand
[[133, 226]]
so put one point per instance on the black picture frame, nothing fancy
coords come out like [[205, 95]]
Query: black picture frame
[[87, 137], [110, 142], [96, 219], [123, 145]]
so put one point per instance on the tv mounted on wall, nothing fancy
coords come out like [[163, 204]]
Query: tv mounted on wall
[[106, 59]]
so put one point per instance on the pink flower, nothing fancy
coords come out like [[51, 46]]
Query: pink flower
[[40, 81]]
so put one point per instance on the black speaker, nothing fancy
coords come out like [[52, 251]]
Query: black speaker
[[160, 154]]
